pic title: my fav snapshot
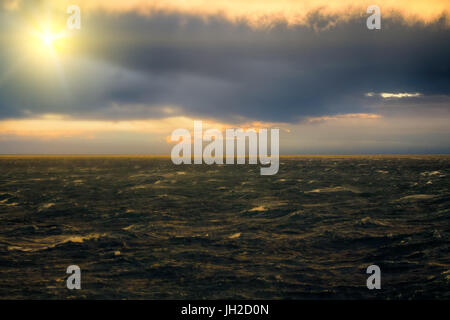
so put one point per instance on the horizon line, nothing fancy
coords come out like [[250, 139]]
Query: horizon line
[[113, 155]]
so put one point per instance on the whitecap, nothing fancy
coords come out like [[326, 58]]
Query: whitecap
[[258, 209], [417, 197], [334, 189], [53, 241], [46, 206]]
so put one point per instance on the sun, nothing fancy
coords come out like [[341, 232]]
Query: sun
[[45, 46], [49, 39]]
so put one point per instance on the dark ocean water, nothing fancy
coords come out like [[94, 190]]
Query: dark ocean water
[[142, 228]]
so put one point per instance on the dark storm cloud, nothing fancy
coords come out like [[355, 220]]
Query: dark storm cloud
[[214, 68]]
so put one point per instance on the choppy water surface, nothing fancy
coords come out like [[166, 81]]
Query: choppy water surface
[[144, 228]]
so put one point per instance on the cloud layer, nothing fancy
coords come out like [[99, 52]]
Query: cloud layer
[[228, 71], [266, 12], [285, 62]]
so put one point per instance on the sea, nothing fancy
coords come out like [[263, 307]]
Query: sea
[[140, 227]]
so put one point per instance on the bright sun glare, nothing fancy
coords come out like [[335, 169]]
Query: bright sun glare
[[46, 45], [49, 38]]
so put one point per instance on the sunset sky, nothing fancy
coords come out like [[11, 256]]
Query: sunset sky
[[139, 69]]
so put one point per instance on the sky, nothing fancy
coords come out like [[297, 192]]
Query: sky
[[137, 70]]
